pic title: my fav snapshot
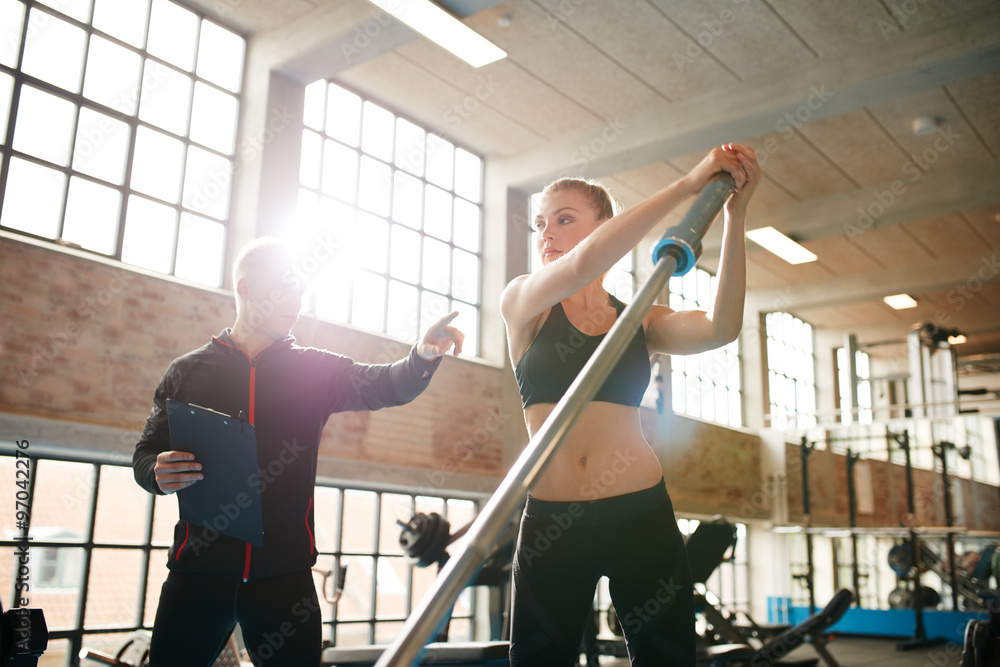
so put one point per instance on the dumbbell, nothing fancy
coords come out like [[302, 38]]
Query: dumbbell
[[424, 538]]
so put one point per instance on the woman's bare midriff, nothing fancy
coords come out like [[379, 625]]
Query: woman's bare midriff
[[603, 455]]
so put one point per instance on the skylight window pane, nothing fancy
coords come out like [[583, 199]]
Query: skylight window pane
[[112, 76], [207, 183], [173, 34], [468, 175], [377, 132], [467, 322], [78, 9], [404, 261], [310, 157], [406, 196], [312, 108], [465, 276], [343, 115], [6, 88], [340, 171], [368, 302], [432, 308], [437, 261], [440, 161], [44, 125], [200, 249], [11, 16], [403, 311], [410, 143], [213, 118], [166, 97], [157, 165], [373, 193], [370, 242], [53, 51], [150, 229], [334, 299], [467, 225], [437, 213], [92, 213], [124, 19], [101, 148], [33, 198], [220, 56]]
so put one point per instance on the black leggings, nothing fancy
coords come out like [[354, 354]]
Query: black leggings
[[280, 618], [565, 547]]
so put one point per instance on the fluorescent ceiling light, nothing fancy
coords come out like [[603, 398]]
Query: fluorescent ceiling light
[[443, 29], [899, 301], [957, 340], [774, 241], [787, 529]]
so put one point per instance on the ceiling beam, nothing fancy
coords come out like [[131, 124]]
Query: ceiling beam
[[961, 276], [853, 213], [967, 47], [338, 36]]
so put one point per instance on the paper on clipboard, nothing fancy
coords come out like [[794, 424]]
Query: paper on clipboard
[[226, 448]]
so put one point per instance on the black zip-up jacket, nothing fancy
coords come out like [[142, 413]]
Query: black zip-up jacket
[[287, 392]]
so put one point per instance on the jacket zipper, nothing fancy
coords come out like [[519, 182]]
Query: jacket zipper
[[253, 380]]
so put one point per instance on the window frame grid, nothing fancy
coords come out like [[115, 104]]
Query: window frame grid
[[317, 191], [77, 634], [793, 416], [679, 372], [133, 122]]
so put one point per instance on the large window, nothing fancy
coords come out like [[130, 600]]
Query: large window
[[705, 385], [862, 412], [98, 548], [791, 371], [118, 130], [404, 207]]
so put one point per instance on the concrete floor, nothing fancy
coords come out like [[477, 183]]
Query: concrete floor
[[864, 652]]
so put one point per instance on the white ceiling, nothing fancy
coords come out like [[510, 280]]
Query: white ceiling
[[636, 91]]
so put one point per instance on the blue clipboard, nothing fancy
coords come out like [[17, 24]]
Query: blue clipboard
[[226, 447]]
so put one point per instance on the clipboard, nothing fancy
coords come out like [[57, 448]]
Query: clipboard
[[226, 447]]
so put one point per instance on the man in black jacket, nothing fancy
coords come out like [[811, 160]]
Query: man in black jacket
[[287, 392]]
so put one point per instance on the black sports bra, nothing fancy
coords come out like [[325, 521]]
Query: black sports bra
[[559, 352]]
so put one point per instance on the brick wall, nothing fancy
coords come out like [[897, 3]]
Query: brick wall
[[86, 342]]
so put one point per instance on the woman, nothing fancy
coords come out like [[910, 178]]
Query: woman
[[601, 507]]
